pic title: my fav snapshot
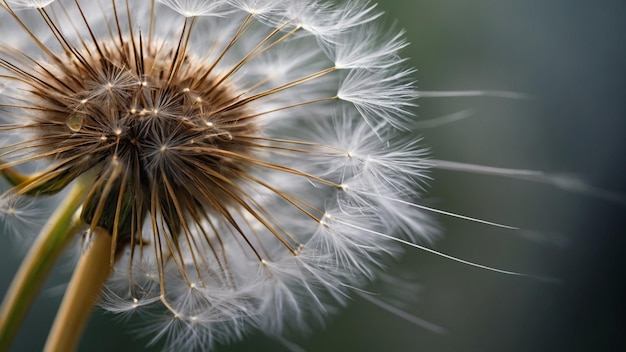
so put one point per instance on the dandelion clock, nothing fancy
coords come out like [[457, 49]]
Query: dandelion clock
[[233, 166], [219, 168]]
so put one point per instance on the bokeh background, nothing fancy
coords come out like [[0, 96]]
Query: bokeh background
[[570, 56]]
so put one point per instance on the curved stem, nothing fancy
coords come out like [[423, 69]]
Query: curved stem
[[91, 273], [53, 239]]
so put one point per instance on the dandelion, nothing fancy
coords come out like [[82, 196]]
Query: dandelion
[[234, 165]]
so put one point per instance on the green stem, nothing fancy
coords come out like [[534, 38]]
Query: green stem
[[81, 295], [53, 239]]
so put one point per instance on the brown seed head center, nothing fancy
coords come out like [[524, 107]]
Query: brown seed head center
[[157, 124]]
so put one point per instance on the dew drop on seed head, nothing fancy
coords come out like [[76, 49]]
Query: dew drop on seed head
[[75, 122]]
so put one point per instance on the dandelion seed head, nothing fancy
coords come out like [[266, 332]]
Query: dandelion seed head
[[246, 156]]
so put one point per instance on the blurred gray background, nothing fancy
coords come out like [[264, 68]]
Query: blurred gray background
[[570, 55]]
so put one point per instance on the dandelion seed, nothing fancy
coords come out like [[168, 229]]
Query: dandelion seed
[[20, 217]]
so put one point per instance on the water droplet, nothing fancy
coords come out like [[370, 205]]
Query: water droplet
[[75, 122]]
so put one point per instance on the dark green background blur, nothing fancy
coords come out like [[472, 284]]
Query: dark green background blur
[[570, 55]]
